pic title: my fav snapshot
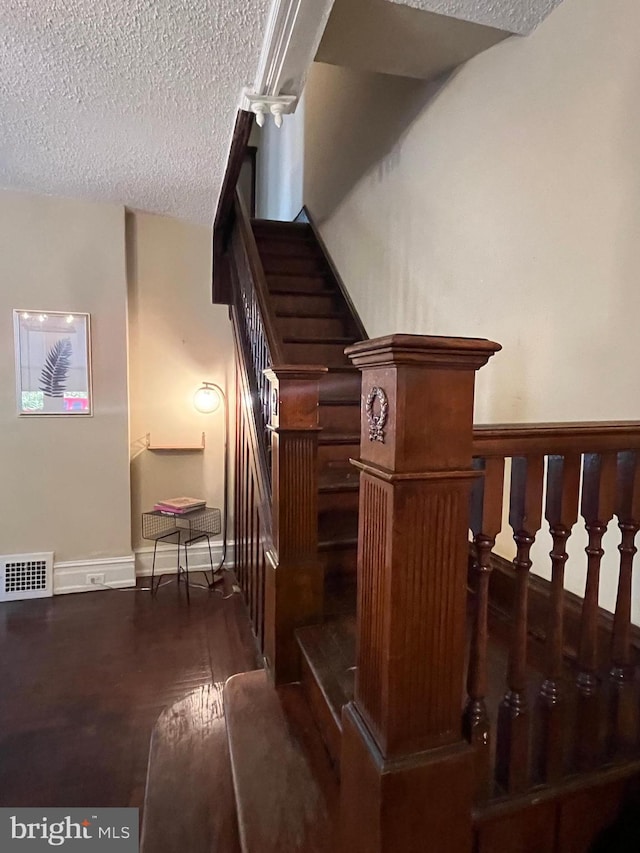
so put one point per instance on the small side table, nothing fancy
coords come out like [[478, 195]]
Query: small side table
[[181, 529]]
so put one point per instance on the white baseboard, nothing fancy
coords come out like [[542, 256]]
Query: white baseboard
[[71, 576], [166, 558], [121, 572]]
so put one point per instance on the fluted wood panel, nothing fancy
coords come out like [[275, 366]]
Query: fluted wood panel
[[429, 606], [411, 594], [375, 501], [296, 522]]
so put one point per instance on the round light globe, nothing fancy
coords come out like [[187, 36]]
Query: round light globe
[[207, 398]]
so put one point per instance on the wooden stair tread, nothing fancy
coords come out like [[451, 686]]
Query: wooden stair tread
[[327, 315], [281, 224], [337, 544], [343, 368], [327, 437], [334, 527], [287, 291], [286, 792], [339, 480], [322, 340], [290, 248], [189, 771], [288, 275], [340, 401], [331, 650]]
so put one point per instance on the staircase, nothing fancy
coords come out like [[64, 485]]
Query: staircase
[[551, 751], [315, 323]]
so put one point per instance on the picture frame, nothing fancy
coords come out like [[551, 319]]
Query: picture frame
[[53, 363]]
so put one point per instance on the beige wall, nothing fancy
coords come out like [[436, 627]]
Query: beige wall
[[509, 203], [177, 340], [65, 481], [505, 204], [280, 167]]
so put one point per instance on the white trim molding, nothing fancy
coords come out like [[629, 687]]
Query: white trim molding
[[166, 558], [262, 105], [72, 576], [293, 32]]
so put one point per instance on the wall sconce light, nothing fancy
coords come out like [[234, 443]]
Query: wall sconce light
[[208, 398]]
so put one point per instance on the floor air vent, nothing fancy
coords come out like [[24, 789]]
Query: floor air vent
[[26, 576]]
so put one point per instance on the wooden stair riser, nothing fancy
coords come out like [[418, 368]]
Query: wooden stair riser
[[339, 562], [336, 526], [301, 283], [330, 453], [346, 501], [340, 418], [328, 725], [265, 229], [341, 385], [287, 247], [311, 327], [329, 354], [275, 264], [303, 303]]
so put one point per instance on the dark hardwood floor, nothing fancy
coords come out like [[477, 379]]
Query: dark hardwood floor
[[85, 677]]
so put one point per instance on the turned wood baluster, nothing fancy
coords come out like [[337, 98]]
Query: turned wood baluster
[[561, 511], [623, 709], [525, 517], [628, 512], [598, 497], [486, 521]]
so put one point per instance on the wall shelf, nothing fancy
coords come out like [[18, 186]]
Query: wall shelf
[[174, 448]]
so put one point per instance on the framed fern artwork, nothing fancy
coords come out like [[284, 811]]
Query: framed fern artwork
[[53, 363]]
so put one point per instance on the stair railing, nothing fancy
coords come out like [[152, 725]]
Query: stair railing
[[276, 477], [557, 471], [414, 765]]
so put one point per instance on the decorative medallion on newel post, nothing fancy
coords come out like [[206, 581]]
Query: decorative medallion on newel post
[[294, 580], [407, 776]]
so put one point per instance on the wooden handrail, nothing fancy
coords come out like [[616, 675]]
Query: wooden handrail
[[259, 280], [223, 220], [504, 440]]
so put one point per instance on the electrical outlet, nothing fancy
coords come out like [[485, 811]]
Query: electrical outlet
[[96, 580]]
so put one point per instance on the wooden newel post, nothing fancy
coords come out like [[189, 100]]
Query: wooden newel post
[[294, 580], [407, 775]]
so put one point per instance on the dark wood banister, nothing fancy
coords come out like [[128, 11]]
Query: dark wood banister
[[279, 417], [259, 462], [259, 280], [223, 220], [555, 438]]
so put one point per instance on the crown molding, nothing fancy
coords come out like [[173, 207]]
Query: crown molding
[[292, 35]]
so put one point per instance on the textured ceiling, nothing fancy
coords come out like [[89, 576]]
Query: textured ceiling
[[375, 35], [128, 101], [515, 16]]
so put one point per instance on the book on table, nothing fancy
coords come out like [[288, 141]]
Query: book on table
[[179, 506]]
